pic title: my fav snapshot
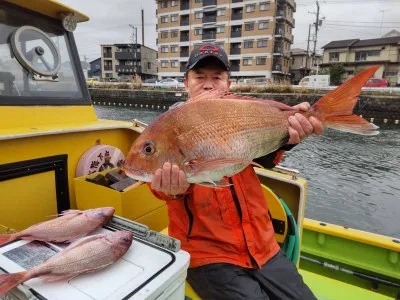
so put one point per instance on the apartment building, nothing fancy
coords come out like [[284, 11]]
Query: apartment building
[[357, 54], [301, 66], [122, 61], [256, 34]]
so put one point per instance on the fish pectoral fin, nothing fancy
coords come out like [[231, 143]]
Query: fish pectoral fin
[[214, 184], [211, 164]]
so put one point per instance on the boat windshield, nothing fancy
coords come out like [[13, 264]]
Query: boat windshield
[[37, 64]]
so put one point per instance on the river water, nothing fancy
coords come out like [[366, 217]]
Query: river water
[[353, 180]]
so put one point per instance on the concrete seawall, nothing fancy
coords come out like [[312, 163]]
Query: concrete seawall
[[377, 109]]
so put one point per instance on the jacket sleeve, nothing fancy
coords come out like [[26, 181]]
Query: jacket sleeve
[[271, 160], [165, 197]]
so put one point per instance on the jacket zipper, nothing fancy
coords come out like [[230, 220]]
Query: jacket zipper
[[190, 215], [235, 198]]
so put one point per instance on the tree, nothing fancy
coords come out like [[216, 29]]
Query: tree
[[336, 72]]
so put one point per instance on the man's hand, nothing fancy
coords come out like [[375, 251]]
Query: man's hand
[[301, 127], [170, 180]]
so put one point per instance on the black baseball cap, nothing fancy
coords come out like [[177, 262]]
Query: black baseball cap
[[207, 50]]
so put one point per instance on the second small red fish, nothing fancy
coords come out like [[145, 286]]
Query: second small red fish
[[71, 225]]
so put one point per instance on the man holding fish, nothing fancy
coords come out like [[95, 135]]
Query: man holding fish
[[226, 275], [198, 157]]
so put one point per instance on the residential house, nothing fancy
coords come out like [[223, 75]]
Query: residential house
[[356, 55], [301, 65], [122, 61], [95, 68]]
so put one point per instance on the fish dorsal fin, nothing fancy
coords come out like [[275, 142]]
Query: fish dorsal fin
[[272, 103], [71, 212], [211, 94]]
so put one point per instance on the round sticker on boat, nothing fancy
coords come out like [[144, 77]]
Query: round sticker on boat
[[99, 158]]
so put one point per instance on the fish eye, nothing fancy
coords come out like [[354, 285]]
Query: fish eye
[[125, 240], [149, 148]]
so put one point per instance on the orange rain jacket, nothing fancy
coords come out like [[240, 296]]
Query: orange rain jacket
[[224, 225]]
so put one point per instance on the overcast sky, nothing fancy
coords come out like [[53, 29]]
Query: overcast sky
[[344, 19]]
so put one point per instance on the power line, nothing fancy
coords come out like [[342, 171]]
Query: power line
[[361, 26], [330, 21]]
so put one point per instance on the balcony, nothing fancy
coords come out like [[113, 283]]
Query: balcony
[[107, 54], [184, 37], [237, 16], [108, 68], [210, 18], [184, 22], [209, 2], [182, 68], [277, 68], [235, 51], [235, 68], [184, 54], [208, 36], [279, 31], [278, 50], [236, 1], [235, 34], [127, 55], [184, 5]]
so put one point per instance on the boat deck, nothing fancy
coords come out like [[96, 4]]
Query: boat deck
[[329, 289]]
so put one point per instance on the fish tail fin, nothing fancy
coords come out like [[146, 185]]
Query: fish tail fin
[[335, 109], [6, 238], [9, 281]]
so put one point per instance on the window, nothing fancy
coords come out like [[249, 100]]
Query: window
[[174, 64], [263, 25], [164, 64], [198, 31], [164, 4], [261, 61], [164, 34], [164, 49], [391, 73], [197, 1], [199, 15], [97, 67], [249, 26], [164, 19], [174, 33], [250, 8], [221, 29], [247, 61], [174, 18], [220, 12], [248, 44], [174, 49], [174, 3], [334, 56], [261, 43], [374, 53], [149, 65], [264, 6]]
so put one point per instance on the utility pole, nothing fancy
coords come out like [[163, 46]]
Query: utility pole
[[308, 50], [134, 39], [317, 24], [142, 27]]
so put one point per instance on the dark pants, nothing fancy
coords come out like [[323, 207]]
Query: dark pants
[[278, 279]]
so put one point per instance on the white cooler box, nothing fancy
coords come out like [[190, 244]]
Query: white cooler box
[[153, 268]]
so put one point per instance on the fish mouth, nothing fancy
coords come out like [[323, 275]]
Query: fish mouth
[[137, 174]]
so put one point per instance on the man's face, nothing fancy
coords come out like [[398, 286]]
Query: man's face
[[206, 78]]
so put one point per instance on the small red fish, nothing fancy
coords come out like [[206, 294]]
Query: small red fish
[[71, 225], [87, 255], [218, 134]]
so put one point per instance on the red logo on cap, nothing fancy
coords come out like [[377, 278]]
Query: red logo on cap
[[208, 48]]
